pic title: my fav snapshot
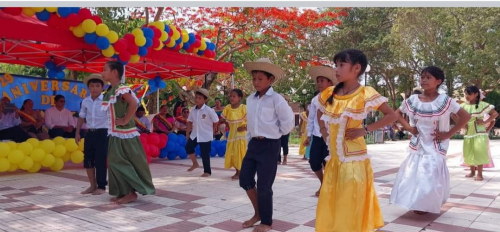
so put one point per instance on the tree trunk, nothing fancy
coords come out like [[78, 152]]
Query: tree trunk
[[159, 13]]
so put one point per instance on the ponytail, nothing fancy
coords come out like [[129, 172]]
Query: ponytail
[[335, 91]]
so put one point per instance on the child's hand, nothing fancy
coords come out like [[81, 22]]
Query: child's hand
[[354, 133], [121, 122], [441, 136], [242, 129], [413, 131], [307, 142]]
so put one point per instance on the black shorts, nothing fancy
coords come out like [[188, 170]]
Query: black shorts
[[204, 147], [317, 153]]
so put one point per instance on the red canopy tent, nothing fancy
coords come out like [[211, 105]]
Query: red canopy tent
[[27, 41]]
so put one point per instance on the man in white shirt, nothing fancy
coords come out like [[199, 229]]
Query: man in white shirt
[[324, 77], [9, 123], [200, 131], [59, 120], [96, 139], [268, 118]]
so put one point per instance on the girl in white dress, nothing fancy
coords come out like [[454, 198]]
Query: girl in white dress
[[423, 182]]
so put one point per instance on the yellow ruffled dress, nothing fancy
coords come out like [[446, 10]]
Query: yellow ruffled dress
[[348, 201], [236, 147], [303, 131]]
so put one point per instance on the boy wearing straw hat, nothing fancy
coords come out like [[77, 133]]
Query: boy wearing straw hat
[[324, 77], [96, 142], [200, 131], [268, 118]]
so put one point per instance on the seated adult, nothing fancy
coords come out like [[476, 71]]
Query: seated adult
[[163, 122], [141, 121], [32, 121], [60, 120], [10, 121], [181, 122]]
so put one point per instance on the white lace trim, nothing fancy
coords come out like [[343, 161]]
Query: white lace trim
[[476, 135], [486, 110], [417, 104], [124, 135], [120, 91]]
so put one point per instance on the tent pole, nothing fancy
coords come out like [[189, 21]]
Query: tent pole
[[232, 81], [158, 101]]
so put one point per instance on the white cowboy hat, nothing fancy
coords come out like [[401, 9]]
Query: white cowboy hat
[[92, 77], [323, 71], [203, 92], [266, 65]]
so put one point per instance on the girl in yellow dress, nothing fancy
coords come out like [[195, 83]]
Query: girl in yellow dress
[[235, 115], [348, 201], [303, 132]]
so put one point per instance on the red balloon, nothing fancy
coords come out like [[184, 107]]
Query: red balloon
[[147, 149], [198, 37], [130, 38], [164, 137], [148, 158], [13, 10], [124, 56], [53, 21], [155, 151], [96, 19], [197, 43], [178, 47], [156, 42], [157, 33], [170, 33], [120, 45], [84, 13], [133, 50], [162, 143], [154, 139], [145, 136], [190, 49], [143, 140], [73, 20]]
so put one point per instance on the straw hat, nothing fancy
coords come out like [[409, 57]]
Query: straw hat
[[266, 65], [323, 71], [203, 92], [92, 77]]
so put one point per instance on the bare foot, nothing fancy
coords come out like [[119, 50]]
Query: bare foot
[[251, 222], [89, 190], [419, 212], [131, 197], [115, 199], [205, 175], [195, 166], [317, 192], [304, 158], [470, 175], [478, 178], [284, 161], [235, 177], [98, 191], [262, 228]]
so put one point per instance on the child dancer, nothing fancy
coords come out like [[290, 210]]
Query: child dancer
[[235, 115], [96, 142], [423, 182], [200, 131], [347, 201], [324, 77], [269, 117], [128, 168], [476, 139]]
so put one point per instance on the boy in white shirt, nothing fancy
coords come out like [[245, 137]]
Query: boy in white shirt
[[200, 131], [268, 118], [96, 139]]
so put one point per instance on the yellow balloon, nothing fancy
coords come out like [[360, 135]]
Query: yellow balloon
[[4, 150], [59, 151], [12, 145], [184, 31], [25, 147], [28, 11], [16, 157], [48, 146], [78, 31], [77, 157], [160, 25], [171, 44], [48, 160], [134, 58], [59, 140], [81, 144], [203, 45], [26, 164], [38, 9], [13, 167], [185, 37], [140, 41], [102, 29], [4, 164], [71, 145], [159, 47], [195, 50], [34, 142], [164, 36], [89, 26], [51, 9], [112, 37], [58, 165], [108, 52], [137, 32], [35, 168], [38, 154], [67, 157], [176, 34]]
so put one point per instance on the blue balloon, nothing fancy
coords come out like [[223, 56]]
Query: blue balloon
[[75, 10], [200, 52], [172, 138], [192, 38], [183, 154], [64, 11], [153, 89], [167, 28], [149, 42], [50, 65], [213, 152], [52, 73], [178, 41], [211, 46], [162, 85], [60, 75], [170, 147], [171, 156], [186, 46], [43, 15], [90, 38], [143, 51], [157, 79], [151, 83], [102, 43], [163, 153], [148, 32], [124, 62], [62, 67], [115, 56]]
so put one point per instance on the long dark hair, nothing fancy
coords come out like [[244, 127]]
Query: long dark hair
[[353, 57], [177, 105], [472, 90], [435, 72], [115, 65], [24, 103]]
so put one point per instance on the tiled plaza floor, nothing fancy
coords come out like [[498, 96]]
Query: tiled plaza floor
[[50, 201]]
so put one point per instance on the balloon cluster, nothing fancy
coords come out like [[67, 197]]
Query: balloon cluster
[[54, 71], [218, 148], [156, 83], [175, 147], [152, 144], [33, 154]]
